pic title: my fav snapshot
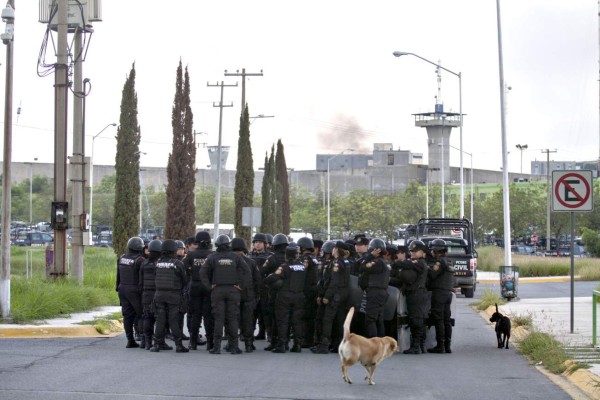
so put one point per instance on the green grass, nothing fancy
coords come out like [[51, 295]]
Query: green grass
[[524, 320], [541, 347], [488, 298], [492, 257], [33, 297]]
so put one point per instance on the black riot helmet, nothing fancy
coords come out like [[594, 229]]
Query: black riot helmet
[[135, 244], [259, 237], [155, 245], [269, 238], [280, 238], [438, 245], [202, 237], [169, 246], [238, 244], [222, 240], [306, 243], [376, 244], [417, 245], [180, 244], [291, 251], [328, 247]]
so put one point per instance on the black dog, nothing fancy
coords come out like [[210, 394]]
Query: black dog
[[502, 328]]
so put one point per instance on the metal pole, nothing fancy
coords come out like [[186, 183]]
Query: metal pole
[[92, 173], [328, 203], [506, 194], [472, 190], [6, 178], [30, 193], [572, 272], [462, 180]]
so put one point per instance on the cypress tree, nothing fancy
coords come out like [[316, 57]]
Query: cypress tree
[[127, 166], [283, 195], [244, 177], [180, 219], [267, 207], [275, 194]]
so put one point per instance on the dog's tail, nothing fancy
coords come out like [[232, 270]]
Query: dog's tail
[[497, 308], [347, 323]]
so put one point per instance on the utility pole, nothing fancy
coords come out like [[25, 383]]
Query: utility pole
[[218, 189], [60, 205], [548, 195], [243, 74], [8, 15]]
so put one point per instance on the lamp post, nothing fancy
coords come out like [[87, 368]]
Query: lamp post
[[521, 147], [31, 191], [252, 119], [329, 194], [459, 76], [92, 174]]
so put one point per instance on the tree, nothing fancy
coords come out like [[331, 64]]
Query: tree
[[283, 188], [127, 165], [244, 177], [266, 203], [273, 219], [180, 219]]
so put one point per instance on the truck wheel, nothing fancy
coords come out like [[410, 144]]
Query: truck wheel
[[469, 292]]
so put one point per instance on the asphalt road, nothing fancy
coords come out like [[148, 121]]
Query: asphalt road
[[544, 290], [103, 369]]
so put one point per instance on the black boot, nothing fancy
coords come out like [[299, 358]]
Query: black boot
[[148, 342], [164, 346], [249, 347], [179, 348], [131, 344], [143, 342], [297, 348], [234, 347], [210, 344], [271, 346], [216, 349], [155, 348], [280, 348], [193, 343], [447, 345], [321, 348], [439, 348]]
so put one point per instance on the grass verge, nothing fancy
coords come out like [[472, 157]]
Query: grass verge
[[107, 324], [542, 348], [488, 298]]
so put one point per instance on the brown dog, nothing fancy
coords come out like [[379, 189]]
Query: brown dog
[[369, 352]]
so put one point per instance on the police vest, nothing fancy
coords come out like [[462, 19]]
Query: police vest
[[341, 273], [444, 278], [379, 280], [166, 276], [127, 273], [198, 259], [297, 276], [148, 282], [224, 269]]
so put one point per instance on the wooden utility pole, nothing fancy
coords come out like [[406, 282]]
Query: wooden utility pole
[[243, 74]]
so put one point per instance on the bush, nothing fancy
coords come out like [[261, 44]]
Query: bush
[[541, 347], [591, 240]]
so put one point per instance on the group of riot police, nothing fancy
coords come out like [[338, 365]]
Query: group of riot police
[[297, 293]]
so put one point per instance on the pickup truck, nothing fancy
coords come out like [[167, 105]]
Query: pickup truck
[[458, 234]]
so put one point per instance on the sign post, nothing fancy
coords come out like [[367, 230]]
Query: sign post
[[572, 191]]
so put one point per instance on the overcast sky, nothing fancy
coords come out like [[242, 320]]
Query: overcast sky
[[330, 78]]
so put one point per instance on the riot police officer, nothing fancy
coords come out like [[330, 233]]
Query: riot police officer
[[170, 279], [335, 298], [260, 254], [148, 287], [414, 277], [441, 284], [128, 277], [280, 242], [290, 301], [312, 266], [324, 276], [224, 273], [374, 280], [200, 306]]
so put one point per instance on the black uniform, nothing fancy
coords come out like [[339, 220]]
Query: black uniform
[[170, 279], [324, 277], [417, 301], [312, 266], [441, 284], [262, 293], [224, 272], [250, 286], [148, 288], [200, 306], [375, 277], [128, 278], [337, 296], [270, 266], [290, 302]]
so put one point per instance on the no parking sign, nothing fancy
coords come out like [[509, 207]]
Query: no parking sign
[[572, 191]]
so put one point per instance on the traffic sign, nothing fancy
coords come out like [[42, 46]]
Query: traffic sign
[[572, 191]]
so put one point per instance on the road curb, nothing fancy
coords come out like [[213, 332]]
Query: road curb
[[46, 332], [530, 280]]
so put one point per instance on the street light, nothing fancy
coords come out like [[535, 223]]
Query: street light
[[521, 147], [459, 76], [329, 194], [92, 174], [252, 119]]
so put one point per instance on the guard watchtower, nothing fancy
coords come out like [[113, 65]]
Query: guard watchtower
[[439, 125]]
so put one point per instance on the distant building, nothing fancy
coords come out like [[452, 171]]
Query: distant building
[[383, 155], [541, 167]]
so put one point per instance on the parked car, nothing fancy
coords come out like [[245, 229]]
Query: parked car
[[33, 239], [104, 240], [521, 249]]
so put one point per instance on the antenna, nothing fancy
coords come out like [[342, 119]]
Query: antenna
[[438, 71]]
